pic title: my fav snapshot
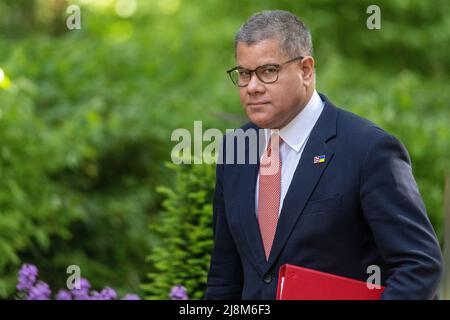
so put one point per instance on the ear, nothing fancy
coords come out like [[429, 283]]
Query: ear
[[307, 68]]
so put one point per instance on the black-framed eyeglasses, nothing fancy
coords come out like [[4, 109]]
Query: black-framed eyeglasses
[[267, 73]]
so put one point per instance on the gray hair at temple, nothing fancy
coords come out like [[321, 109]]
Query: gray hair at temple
[[293, 35]]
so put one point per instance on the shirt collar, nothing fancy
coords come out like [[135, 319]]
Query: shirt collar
[[295, 133]]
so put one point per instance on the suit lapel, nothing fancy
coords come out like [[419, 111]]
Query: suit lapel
[[246, 205], [306, 176], [303, 182], [248, 217]]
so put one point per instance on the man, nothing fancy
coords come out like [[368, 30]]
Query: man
[[344, 197]]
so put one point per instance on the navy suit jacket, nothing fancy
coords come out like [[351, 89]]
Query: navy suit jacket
[[361, 207]]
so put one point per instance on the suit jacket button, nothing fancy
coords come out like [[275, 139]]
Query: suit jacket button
[[268, 278]]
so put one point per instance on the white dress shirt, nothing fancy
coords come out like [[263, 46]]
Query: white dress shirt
[[295, 135]]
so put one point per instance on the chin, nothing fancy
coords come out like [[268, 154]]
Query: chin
[[262, 122], [262, 117]]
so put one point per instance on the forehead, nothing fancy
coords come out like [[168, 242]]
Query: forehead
[[259, 53]]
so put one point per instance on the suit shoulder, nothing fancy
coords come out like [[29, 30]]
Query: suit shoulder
[[358, 135], [353, 125]]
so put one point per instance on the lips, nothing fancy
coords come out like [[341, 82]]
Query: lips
[[257, 103]]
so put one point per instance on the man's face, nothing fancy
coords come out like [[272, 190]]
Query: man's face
[[272, 105]]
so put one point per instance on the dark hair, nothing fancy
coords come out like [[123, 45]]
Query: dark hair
[[291, 32]]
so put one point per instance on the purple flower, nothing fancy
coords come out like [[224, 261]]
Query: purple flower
[[63, 295], [95, 295], [31, 289], [108, 294], [80, 295], [27, 277], [84, 284], [178, 293], [41, 291], [83, 292], [131, 296]]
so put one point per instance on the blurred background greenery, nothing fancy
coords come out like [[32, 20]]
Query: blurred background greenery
[[86, 117]]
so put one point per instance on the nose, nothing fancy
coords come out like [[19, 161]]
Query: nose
[[255, 85]]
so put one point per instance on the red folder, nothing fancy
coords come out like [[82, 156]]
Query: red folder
[[297, 283]]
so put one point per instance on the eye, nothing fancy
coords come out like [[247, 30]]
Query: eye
[[269, 70], [243, 73]]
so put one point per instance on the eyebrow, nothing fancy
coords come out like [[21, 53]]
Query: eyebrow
[[263, 65]]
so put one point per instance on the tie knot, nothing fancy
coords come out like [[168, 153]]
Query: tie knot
[[275, 142]]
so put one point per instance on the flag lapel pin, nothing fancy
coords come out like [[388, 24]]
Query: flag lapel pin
[[319, 159]]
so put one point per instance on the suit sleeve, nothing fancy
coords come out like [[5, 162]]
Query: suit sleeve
[[395, 212], [225, 276]]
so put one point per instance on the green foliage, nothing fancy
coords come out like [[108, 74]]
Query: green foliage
[[185, 229], [33, 207]]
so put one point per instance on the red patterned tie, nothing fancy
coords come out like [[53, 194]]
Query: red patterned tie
[[269, 192]]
